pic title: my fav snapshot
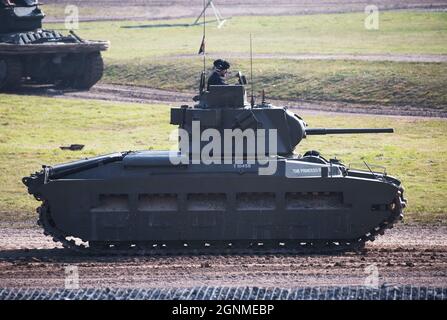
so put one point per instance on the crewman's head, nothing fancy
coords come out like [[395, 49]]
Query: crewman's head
[[221, 66]]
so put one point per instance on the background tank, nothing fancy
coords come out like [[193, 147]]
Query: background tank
[[165, 202], [31, 54]]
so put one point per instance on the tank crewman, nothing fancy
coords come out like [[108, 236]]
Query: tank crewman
[[217, 78]]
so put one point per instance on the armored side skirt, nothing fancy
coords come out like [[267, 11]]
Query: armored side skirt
[[213, 207]]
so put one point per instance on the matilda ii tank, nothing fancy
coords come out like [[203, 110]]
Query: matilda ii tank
[[31, 54], [234, 186]]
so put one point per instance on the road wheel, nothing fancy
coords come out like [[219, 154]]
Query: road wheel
[[11, 71], [93, 70]]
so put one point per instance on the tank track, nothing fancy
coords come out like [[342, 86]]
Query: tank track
[[217, 248], [41, 36]]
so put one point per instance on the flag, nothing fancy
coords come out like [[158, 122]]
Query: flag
[[202, 46]]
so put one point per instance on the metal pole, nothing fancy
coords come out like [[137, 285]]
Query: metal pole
[[252, 102], [201, 13], [204, 33]]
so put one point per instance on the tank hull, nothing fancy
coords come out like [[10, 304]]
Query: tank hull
[[136, 199], [47, 57]]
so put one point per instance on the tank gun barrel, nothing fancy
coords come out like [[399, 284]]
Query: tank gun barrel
[[323, 131]]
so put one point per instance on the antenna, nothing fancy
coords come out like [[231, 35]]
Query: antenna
[[204, 33], [202, 50], [252, 102]]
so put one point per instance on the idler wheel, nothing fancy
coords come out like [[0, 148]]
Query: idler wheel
[[92, 73]]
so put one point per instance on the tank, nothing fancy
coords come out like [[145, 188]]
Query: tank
[[261, 199], [31, 54]]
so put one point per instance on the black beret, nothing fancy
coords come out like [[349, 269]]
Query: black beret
[[221, 64]]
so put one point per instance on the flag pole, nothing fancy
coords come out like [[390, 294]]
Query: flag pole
[[252, 102], [204, 33]]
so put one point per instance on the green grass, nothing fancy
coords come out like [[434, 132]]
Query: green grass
[[399, 32], [140, 56], [384, 83], [33, 128]]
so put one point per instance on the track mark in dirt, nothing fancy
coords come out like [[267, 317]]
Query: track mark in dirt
[[406, 255]]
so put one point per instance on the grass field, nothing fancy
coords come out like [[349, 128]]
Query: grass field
[[146, 56], [385, 83], [33, 128], [399, 32]]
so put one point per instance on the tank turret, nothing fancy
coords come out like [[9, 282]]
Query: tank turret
[[225, 108], [20, 15]]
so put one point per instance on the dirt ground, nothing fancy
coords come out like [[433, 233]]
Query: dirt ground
[[406, 255], [156, 9]]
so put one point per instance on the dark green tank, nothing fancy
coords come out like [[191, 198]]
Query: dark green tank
[[247, 200], [31, 54]]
